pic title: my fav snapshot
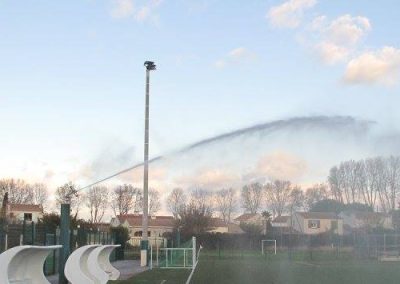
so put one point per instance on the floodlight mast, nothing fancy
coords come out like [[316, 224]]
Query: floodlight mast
[[150, 66]]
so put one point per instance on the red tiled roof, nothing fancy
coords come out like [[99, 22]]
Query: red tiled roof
[[135, 220], [26, 207], [319, 215], [245, 217]]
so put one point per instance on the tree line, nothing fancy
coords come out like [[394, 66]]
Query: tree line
[[373, 182]]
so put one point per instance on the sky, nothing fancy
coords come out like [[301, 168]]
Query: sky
[[72, 75]]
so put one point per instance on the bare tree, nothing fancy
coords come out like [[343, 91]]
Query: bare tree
[[203, 199], [296, 199], [19, 192], [126, 198], [154, 201], [68, 193], [225, 201], [40, 194], [97, 202], [335, 184], [315, 194], [393, 182], [279, 196], [251, 197], [176, 199]]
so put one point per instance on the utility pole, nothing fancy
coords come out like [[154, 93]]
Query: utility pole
[[144, 244]]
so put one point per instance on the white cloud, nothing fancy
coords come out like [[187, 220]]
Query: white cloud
[[122, 9], [331, 53], [141, 13], [339, 38], [238, 55], [382, 67], [290, 13]]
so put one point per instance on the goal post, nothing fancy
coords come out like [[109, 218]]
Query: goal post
[[184, 256], [264, 244]]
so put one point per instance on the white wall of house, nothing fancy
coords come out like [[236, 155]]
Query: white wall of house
[[19, 215], [316, 226]]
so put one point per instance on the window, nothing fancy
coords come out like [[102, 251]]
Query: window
[[27, 216], [313, 224]]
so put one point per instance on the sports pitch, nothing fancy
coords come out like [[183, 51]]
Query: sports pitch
[[252, 268]]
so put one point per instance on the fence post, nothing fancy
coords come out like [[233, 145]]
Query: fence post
[[194, 251], [64, 240]]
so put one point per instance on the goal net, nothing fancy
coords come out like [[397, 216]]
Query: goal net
[[183, 256], [268, 247]]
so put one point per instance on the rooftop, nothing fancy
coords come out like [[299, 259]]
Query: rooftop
[[26, 208], [245, 217], [135, 220], [319, 215]]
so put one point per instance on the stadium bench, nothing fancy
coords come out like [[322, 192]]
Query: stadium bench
[[24, 264], [99, 264]]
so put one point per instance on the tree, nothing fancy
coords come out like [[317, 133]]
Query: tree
[[328, 205], [267, 216], [251, 197], [68, 194], [282, 196], [296, 199], [125, 198], [195, 219], [154, 201], [225, 203], [314, 194], [393, 176], [175, 201], [40, 194], [97, 202], [19, 192]]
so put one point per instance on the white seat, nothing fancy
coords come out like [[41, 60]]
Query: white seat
[[24, 264], [100, 266], [77, 270]]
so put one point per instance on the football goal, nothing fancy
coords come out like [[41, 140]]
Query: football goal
[[268, 246], [178, 257]]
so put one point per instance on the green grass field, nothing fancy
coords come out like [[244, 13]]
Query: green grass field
[[250, 267]]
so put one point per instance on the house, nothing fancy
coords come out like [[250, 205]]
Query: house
[[353, 220], [220, 226], [24, 212], [157, 227], [313, 223], [249, 218], [253, 219], [281, 222]]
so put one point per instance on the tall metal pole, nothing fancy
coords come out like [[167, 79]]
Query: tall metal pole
[[145, 217]]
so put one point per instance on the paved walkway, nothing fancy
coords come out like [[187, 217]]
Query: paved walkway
[[128, 268]]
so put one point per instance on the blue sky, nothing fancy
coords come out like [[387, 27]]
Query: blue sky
[[72, 76]]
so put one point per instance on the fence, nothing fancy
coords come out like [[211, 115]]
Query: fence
[[358, 244], [30, 233]]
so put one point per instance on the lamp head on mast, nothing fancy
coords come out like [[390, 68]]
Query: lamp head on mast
[[150, 65]]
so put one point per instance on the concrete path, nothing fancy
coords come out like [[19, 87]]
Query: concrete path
[[128, 268]]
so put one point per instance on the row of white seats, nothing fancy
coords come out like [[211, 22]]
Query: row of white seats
[[91, 264], [88, 264], [24, 264]]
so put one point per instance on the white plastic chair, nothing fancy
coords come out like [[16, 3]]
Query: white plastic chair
[[24, 264], [77, 270], [100, 266]]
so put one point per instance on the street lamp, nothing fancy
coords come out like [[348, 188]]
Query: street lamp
[[144, 244]]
